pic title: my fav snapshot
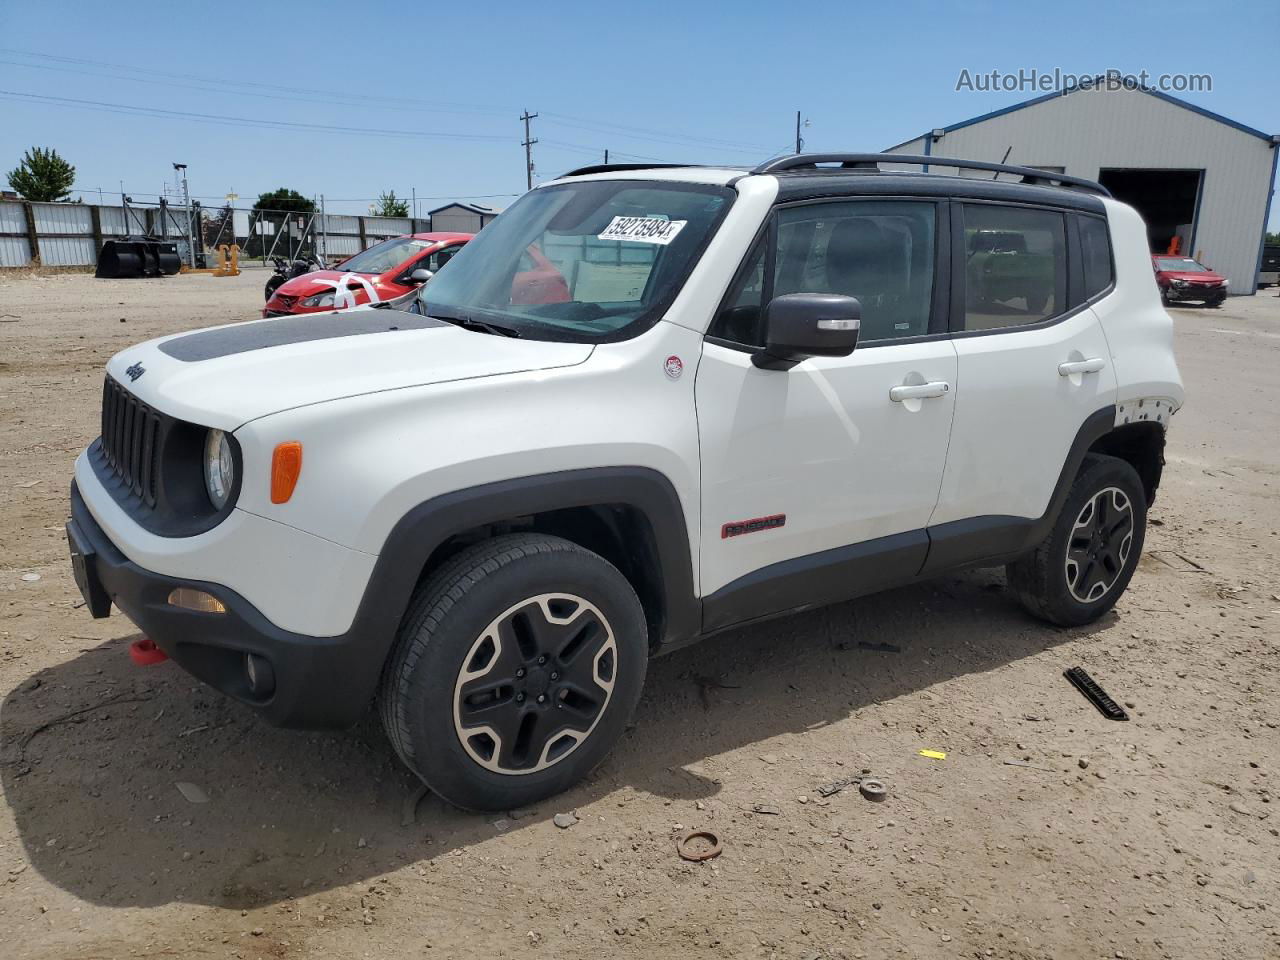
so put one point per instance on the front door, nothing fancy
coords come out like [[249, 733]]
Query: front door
[[818, 481]]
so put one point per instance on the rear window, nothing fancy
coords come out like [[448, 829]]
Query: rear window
[[1015, 265]]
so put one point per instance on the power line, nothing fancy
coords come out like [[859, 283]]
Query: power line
[[247, 121], [306, 95]]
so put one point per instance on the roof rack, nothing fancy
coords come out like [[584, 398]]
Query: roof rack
[[870, 163], [621, 167]]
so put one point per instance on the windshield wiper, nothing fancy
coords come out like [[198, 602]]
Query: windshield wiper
[[480, 326]]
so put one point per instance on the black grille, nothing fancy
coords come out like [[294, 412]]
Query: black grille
[[131, 440]]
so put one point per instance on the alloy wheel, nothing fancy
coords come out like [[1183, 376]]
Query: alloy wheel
[[535, 683], [1098, 547]]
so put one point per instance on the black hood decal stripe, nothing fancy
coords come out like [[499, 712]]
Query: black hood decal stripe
[[282, 331]]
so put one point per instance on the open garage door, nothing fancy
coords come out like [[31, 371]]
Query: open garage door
[[1167, 200]]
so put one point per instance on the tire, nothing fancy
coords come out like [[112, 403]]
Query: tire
[[1071, 589], [460, 692], [272, 285]]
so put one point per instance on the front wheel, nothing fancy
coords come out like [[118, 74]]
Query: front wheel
[[1080, 570], [273, 284], [516, 670]]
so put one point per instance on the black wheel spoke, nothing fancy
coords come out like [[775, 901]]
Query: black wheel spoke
[[539, 680]]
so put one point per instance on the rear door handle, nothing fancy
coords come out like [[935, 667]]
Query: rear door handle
[[1092, 365], [919, 391]]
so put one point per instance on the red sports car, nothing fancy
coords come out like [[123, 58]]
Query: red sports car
[[1181, 278], [383, 272]]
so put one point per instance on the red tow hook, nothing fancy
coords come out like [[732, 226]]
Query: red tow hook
[[145, 653]]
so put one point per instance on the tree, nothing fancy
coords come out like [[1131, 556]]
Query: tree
[[389, 206], [284, 199], [1273, 239], [275, 208], [43, 176]]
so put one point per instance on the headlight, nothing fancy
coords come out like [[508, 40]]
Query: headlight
[[1225, 284], [1179, 283], [319, 300], [219, 468]]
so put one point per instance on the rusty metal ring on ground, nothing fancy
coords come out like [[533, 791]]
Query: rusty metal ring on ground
[[697, 856], [873, 790]]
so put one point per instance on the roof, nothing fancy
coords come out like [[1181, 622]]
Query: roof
[[816, 185], [473, 207], [1158, 94], [438, 236]]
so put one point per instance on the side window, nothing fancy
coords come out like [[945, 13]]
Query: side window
[[880, 251], [1015, 265], [741, 317], [1095, 242]]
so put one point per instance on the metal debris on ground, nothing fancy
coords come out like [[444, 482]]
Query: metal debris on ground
[[765, 808], [879, 647], [191, 792], [698, 845], [409, 810], [1081, 680], [1028, 764], [835, 786], [873, 790]]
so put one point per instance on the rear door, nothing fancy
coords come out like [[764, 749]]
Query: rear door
[[808, 469], [1032, 369]]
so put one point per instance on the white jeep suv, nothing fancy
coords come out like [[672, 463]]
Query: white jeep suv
[[643, 406]]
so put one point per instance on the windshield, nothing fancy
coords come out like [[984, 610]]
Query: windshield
[[1180, 264], [385, 256], [581, 261]]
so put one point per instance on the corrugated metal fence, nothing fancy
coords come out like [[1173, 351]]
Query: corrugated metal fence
[[71, 234]]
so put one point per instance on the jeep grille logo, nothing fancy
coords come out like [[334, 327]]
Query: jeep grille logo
[[135, 371]]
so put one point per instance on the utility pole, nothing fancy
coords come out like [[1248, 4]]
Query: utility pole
[[528, 148], [799, 139], [186, 199], [606, 156]]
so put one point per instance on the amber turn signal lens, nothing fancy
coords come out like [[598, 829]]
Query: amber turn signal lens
[[189, 599], [286, 464]]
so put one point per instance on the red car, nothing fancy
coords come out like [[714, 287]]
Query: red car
[[1181, 278], [383, 272]]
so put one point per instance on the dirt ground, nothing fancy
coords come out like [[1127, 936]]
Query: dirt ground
[[1148, 839]]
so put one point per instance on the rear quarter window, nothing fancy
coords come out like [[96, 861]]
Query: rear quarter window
[[1095, 243]]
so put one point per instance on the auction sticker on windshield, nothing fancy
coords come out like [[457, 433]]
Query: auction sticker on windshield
[[643, 229]]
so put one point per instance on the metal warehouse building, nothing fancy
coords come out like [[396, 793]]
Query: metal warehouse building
[[462, 217], [1190, 173]]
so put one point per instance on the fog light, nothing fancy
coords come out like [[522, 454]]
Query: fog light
[[197, 600], [262, 678]]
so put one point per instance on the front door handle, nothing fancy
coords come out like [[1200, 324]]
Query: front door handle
[[919, 391], [1092, 365]]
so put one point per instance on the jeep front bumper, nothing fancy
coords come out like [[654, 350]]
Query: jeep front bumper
[[319, 682]]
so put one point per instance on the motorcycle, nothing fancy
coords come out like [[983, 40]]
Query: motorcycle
[[286, 270]]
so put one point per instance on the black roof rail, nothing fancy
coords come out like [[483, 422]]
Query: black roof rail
[[622, 167], [870, 163]]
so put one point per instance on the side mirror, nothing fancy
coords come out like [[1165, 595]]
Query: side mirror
[[803, 325], [421, 275]]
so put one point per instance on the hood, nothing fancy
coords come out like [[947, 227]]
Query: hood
[[226, 376], [1193, 276], [318, 281]]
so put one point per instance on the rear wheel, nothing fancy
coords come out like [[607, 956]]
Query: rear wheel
[[516, 670], [1079, 571]]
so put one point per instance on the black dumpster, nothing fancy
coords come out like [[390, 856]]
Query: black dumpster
[[138, 257]]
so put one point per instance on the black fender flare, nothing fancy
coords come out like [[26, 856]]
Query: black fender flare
[[423, 529]]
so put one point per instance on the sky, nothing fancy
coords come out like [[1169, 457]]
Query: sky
[[352, 99]]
